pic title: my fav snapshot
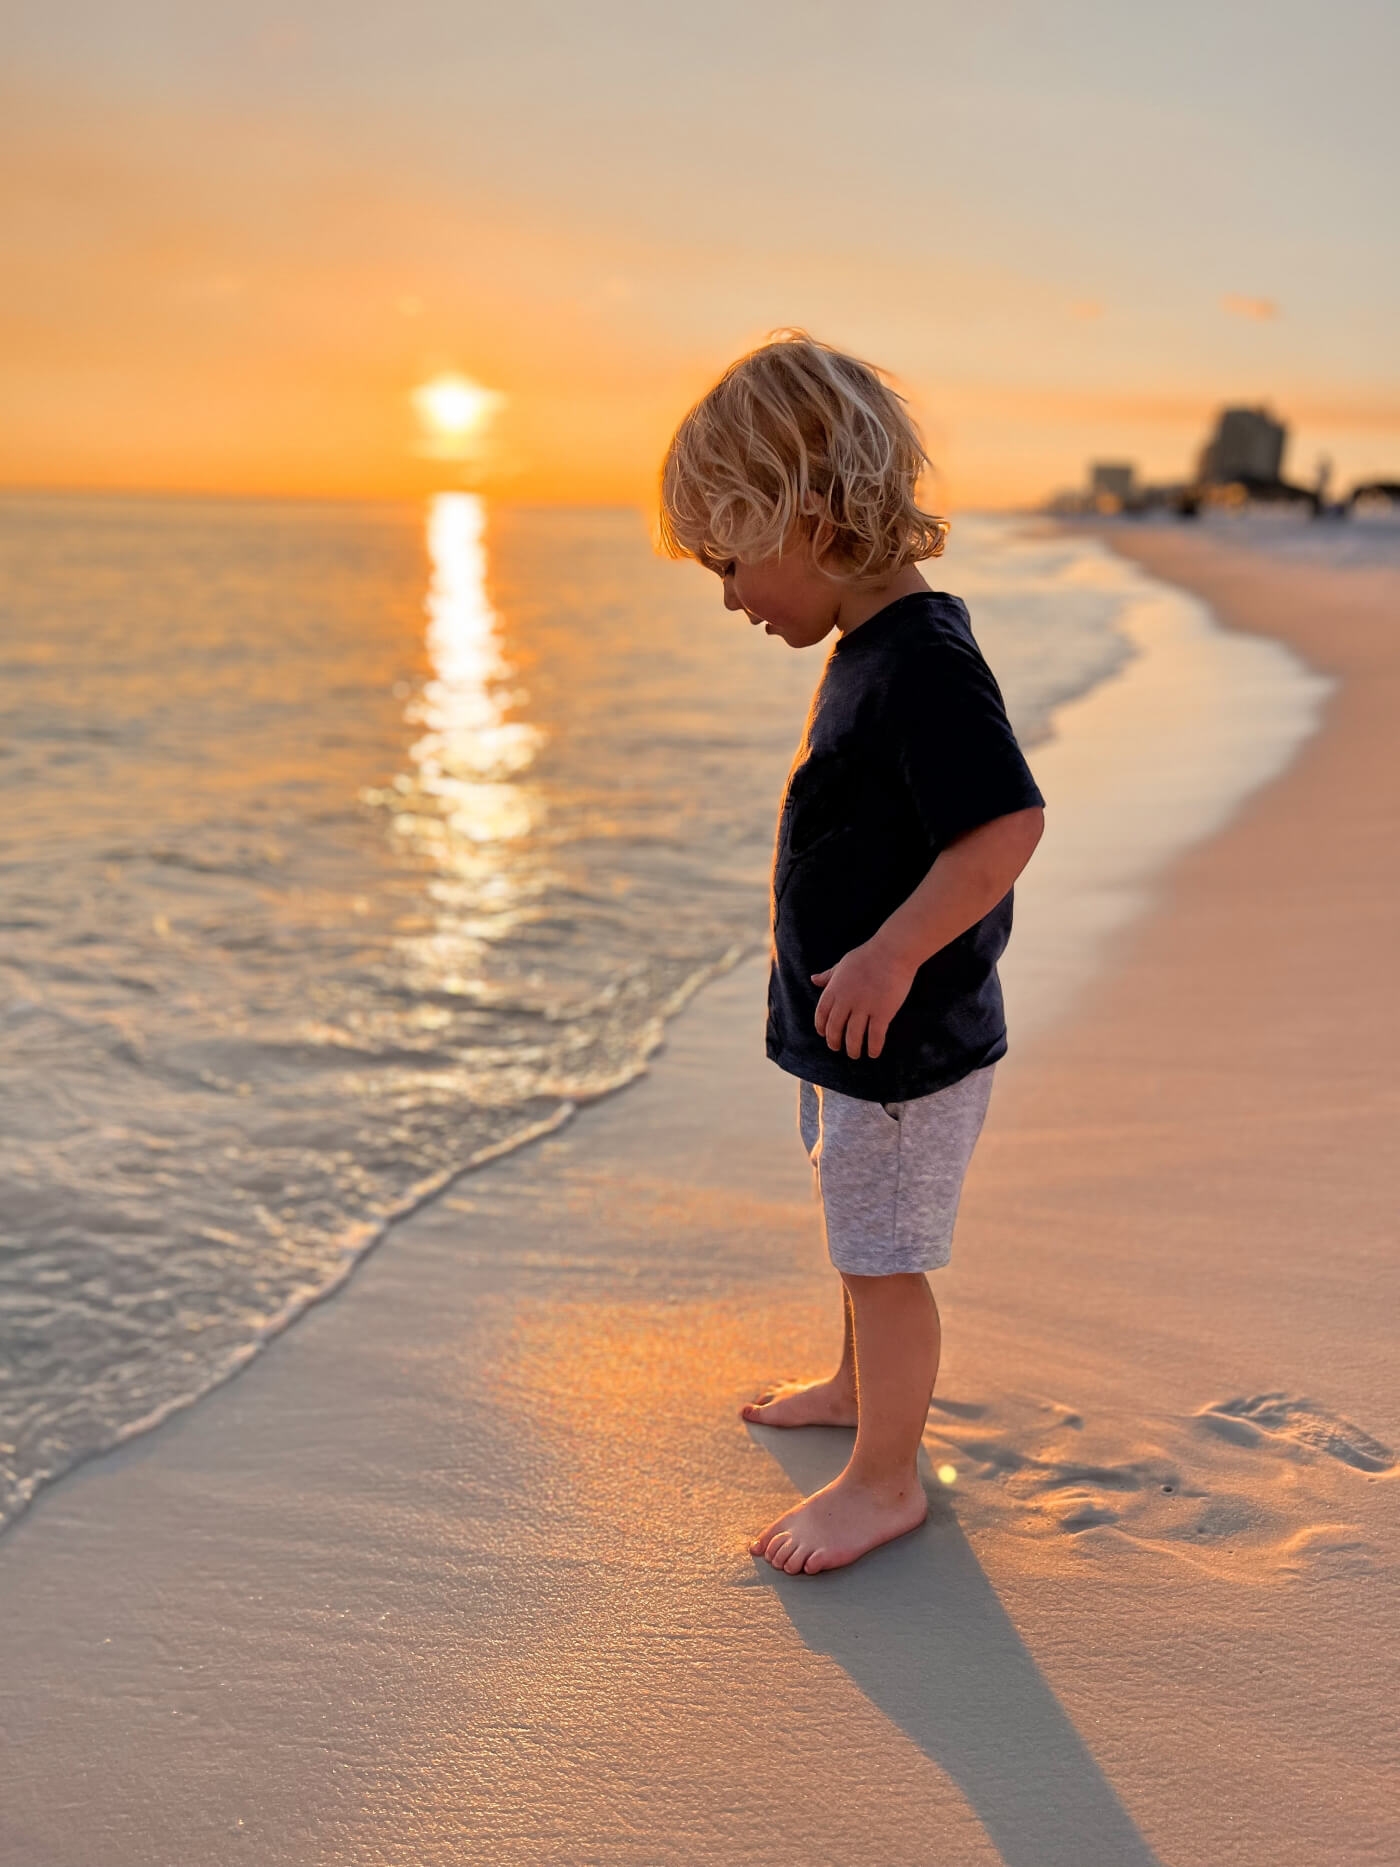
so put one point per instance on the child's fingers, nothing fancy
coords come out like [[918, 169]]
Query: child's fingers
[[823, 978], [836, 1026], [855, 1033], [875, 1036]]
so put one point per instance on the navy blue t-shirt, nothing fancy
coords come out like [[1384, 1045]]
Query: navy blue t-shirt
[[907, 748]]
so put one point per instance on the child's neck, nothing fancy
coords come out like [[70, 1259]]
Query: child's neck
[[867, 600]]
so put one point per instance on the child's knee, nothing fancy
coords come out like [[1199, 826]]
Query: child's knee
[[892, 1286]]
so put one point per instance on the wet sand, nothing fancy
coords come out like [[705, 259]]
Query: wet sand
[[456, 1573]]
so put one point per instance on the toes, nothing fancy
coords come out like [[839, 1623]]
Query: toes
[[788, 1550], [763, 1542]]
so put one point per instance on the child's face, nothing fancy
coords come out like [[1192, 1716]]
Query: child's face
[[788, 595]]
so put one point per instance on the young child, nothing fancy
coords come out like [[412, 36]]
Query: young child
[[908, 815]]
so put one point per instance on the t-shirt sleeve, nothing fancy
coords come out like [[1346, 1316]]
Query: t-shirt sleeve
[[951, 740]]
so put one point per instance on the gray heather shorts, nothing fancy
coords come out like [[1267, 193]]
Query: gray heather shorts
[[890, 1174]]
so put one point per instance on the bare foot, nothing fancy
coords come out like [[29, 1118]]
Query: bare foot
[[804, 1403], [838, 1524]]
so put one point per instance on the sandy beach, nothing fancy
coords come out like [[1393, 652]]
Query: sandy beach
[[456, 1571]]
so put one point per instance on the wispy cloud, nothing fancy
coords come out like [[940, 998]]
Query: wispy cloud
[[1260, 310]]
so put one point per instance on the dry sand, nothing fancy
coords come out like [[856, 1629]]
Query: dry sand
[[455, 1573]]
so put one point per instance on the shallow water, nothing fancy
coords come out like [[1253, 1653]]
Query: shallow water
[[348, 845]]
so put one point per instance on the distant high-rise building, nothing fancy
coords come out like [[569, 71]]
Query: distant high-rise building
[[1111, 479], [1247, 445]]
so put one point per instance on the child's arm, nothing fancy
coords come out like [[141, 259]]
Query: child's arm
[[864, 990]]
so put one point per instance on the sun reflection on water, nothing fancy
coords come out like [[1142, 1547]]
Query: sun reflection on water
[[470, 754], [465, 803]]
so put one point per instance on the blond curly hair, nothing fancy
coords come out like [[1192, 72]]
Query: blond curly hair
[[796, 440]]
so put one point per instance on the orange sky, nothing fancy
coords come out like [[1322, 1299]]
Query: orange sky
[[234, 247]]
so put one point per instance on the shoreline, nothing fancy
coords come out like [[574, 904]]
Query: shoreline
[[458, 1572], [1245, 705]]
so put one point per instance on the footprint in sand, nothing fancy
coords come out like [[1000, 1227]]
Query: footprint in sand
[[1036, 1468], [1296, 1420]]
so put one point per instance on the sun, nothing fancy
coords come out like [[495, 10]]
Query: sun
[[454, 412]]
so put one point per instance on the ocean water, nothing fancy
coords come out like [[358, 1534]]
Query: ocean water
[[348, 846]]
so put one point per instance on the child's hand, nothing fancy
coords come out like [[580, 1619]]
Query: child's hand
[[861, 993]]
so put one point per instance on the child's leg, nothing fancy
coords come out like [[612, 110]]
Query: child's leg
[[879, 1495], [831, 1402]]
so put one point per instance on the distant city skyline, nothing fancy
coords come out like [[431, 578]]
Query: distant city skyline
[[1241, 460], [240, 244]]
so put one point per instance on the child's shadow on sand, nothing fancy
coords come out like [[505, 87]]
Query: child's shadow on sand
[[920, 1630]]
